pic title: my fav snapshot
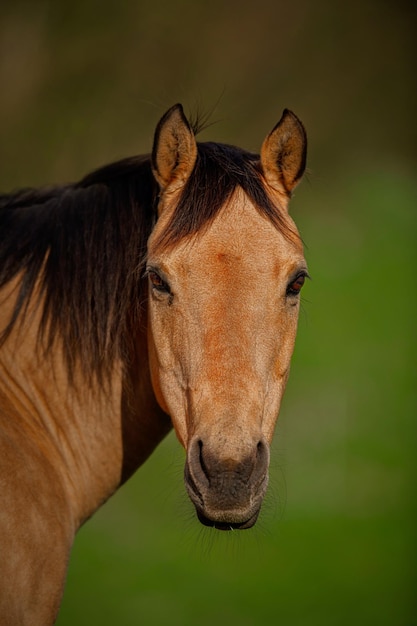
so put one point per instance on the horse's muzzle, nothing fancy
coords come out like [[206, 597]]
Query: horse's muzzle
[[226, 493]]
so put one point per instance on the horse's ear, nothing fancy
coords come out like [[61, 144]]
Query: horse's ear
[[174, 149], [284, 152]]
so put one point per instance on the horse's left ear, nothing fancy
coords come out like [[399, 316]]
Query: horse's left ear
[[284, 153], [174, 150]]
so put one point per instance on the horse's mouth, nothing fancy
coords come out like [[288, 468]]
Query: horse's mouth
[[227, 494], [224, 524]]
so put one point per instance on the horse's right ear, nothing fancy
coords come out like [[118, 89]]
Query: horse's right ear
[[174, 149]]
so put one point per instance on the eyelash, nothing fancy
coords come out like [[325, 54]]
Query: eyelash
[[158, 283], [296, 285]]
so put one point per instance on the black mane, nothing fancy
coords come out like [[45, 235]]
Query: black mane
[[83, 242], [219, 170], [84, 246]]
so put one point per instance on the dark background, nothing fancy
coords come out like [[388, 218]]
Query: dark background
[[84, 83]]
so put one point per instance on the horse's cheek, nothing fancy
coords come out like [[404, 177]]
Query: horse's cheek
[[167, 372], [156, 369]]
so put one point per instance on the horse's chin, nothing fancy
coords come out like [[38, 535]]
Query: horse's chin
[[224, 524]]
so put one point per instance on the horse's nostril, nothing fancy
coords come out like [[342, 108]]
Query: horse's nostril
[[201, 460], [262, 450], [262, 462], [195, 467]]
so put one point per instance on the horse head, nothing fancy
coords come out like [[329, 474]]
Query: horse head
[[225, 266]]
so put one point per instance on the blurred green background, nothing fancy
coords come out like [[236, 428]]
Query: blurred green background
[[83, 83]]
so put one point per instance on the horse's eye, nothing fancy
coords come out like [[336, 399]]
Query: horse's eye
[[157, 282], [294, 288]]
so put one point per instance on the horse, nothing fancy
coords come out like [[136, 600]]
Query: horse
[[159, 291]]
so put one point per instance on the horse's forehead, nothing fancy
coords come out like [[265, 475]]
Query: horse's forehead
[[241, 239]]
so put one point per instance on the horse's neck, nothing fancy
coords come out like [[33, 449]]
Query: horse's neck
[[77, 430], [91, 439]]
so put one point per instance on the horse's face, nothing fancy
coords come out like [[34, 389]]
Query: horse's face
[[223, 309]]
